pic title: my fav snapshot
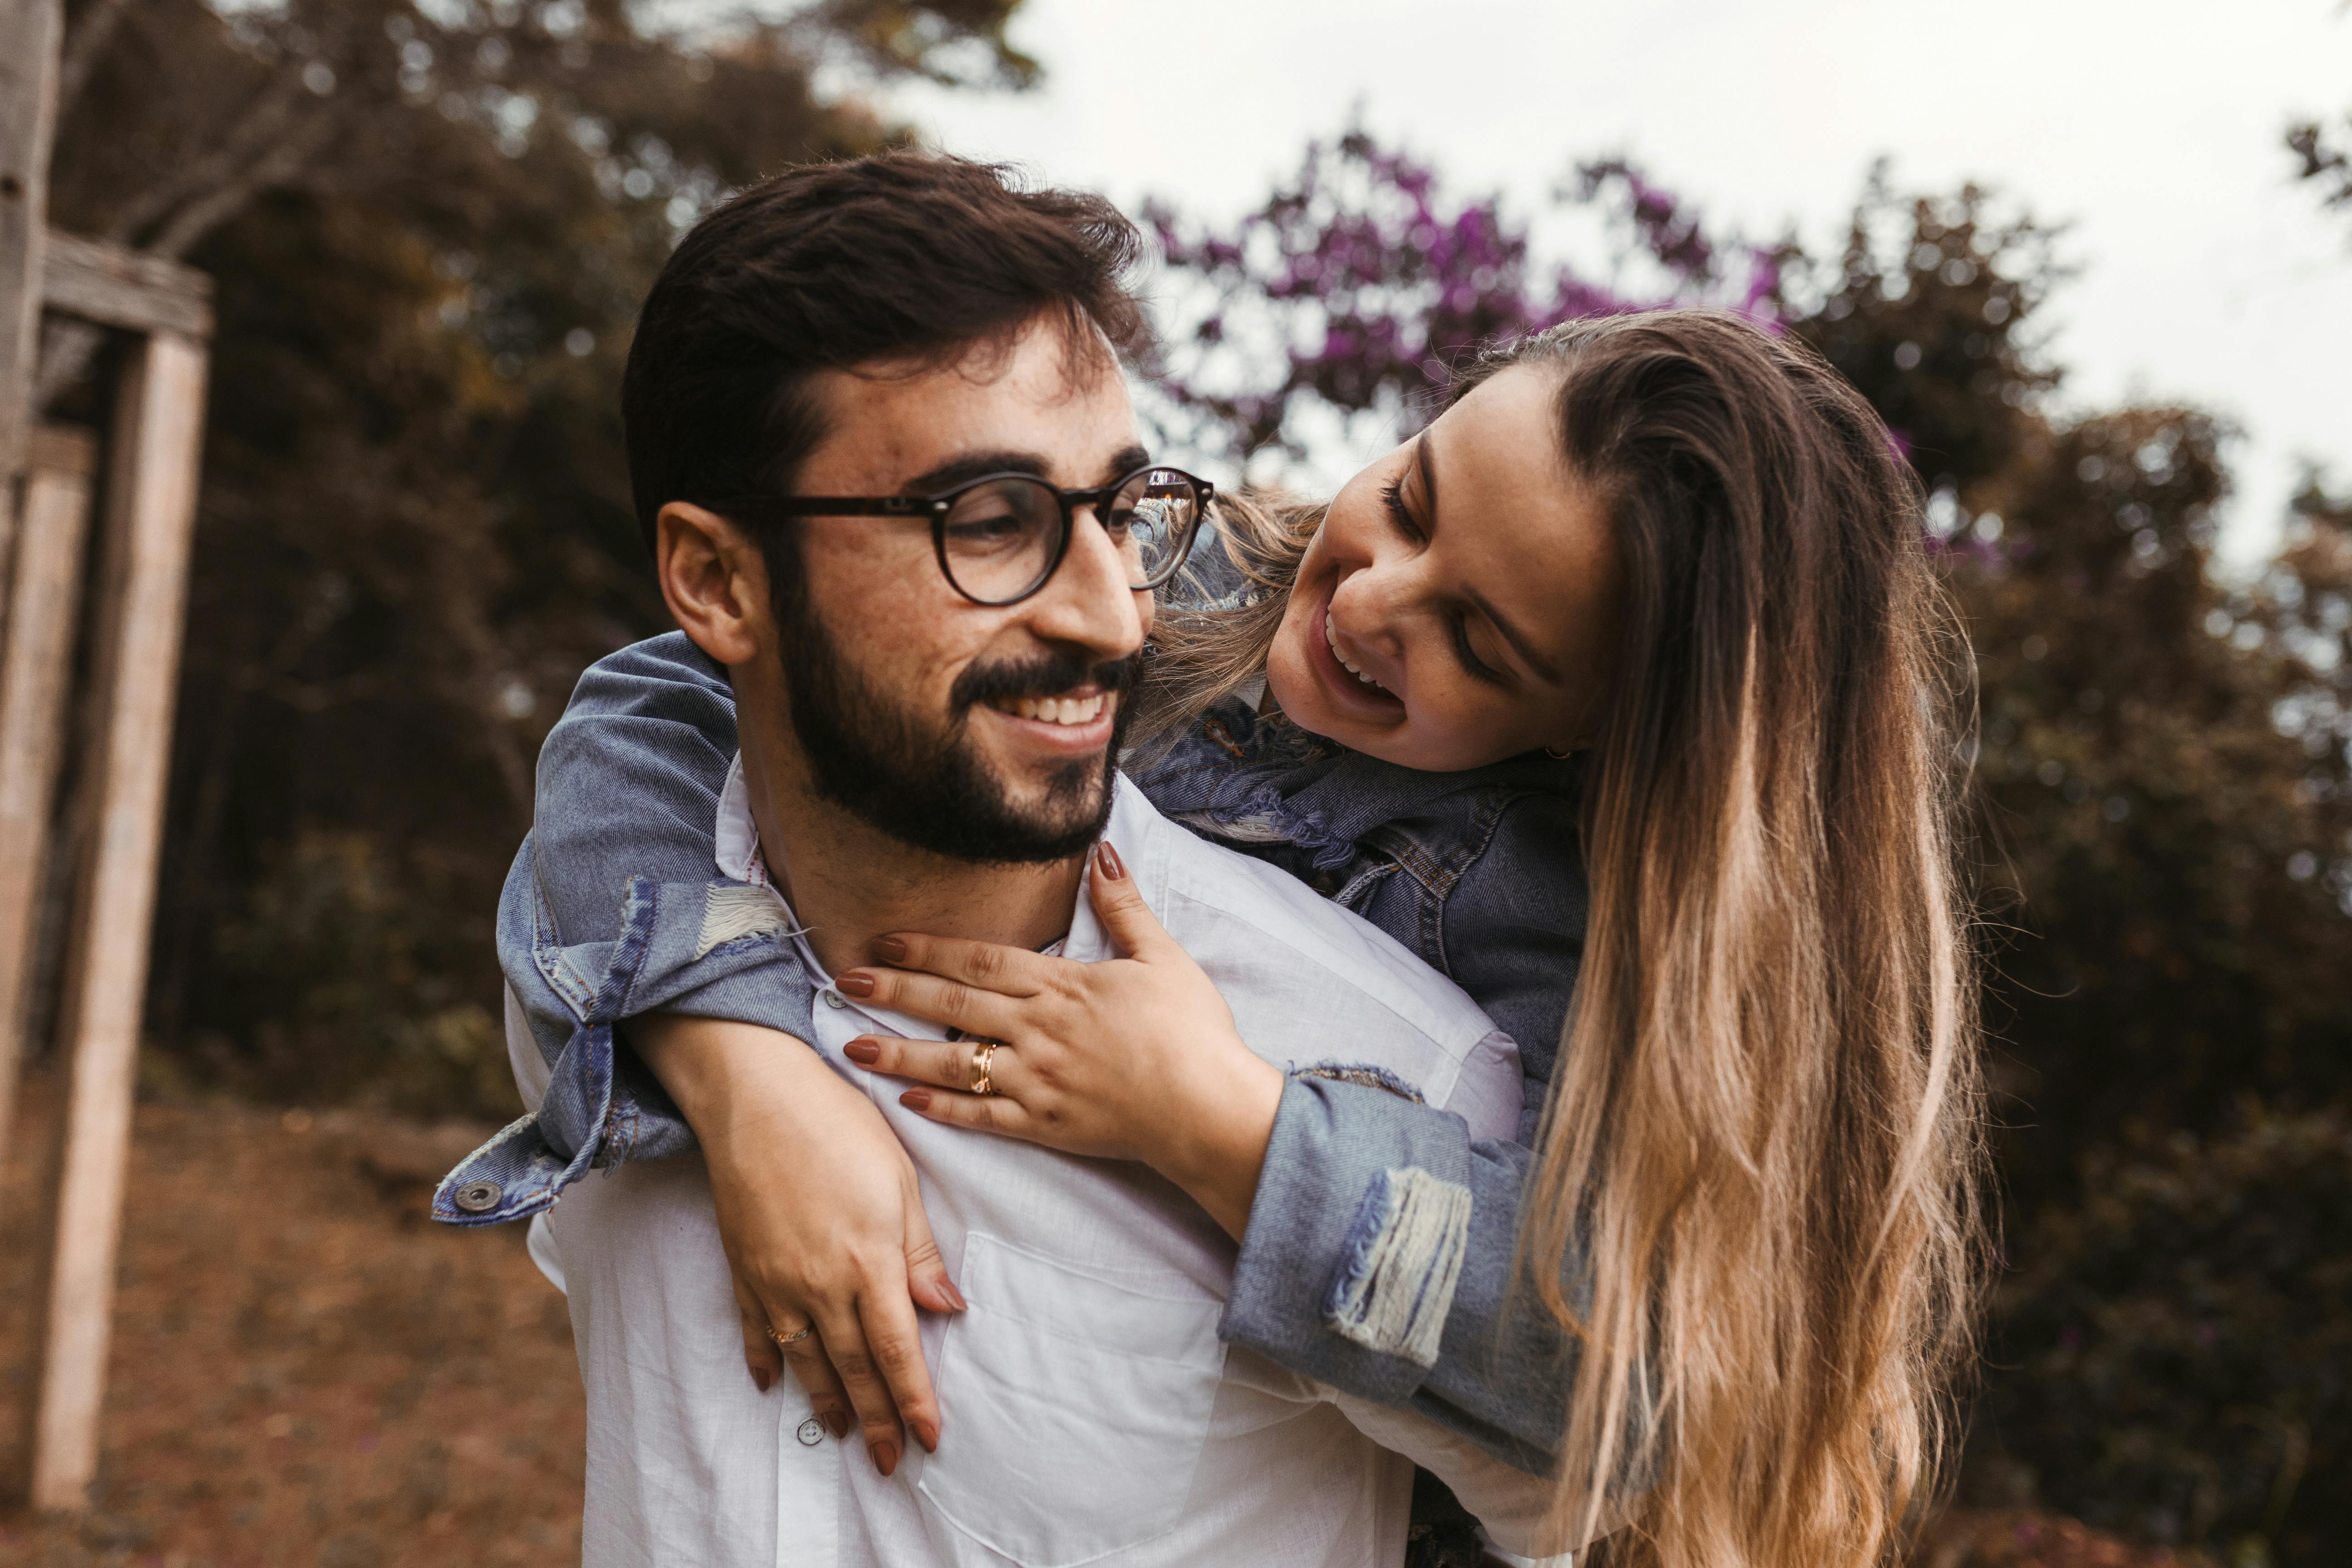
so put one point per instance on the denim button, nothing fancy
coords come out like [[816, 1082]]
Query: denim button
[[478, 1197], [833, 998], [811, 1433]]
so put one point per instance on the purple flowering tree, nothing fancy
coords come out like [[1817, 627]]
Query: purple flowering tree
[[1357, 287]]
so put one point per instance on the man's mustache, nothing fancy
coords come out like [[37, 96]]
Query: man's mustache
[[1046, 676]]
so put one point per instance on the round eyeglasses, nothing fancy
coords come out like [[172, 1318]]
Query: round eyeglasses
[[1000, 537]]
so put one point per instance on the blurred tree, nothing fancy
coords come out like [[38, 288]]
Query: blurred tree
[[430, 226], [2325, 160], [2162, 759], [2184, 1341]]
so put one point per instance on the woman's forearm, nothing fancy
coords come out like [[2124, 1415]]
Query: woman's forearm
[[1215, 1148], [728, 1078]]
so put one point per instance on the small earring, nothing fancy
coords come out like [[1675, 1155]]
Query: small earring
[[1559, 756]]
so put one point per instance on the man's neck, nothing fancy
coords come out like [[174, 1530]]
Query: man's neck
[[848, 882]]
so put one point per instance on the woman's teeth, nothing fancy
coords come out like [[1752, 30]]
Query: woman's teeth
[[1332, 638], [1055, 709]]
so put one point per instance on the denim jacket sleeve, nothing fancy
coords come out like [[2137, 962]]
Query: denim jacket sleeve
[[613, 909], [1326, 1198]]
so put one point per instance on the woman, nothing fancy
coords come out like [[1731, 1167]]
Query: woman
[[1685, 550]]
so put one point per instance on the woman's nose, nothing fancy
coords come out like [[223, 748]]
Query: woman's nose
[[1373, 603]]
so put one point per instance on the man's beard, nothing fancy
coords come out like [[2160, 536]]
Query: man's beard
[[926, 786]]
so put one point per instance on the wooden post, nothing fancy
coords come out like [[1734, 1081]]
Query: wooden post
[[151, 511], [31, 33], [36, 672], [133, 293]]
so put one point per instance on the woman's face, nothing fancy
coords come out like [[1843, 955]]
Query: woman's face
[[1459, 604]]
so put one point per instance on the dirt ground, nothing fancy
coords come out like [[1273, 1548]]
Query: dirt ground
[[306, 1370], [308, 1373]]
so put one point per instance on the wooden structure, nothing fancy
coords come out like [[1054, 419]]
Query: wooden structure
[[141, 475]]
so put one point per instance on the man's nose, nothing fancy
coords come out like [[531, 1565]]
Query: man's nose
[[1088, 601]]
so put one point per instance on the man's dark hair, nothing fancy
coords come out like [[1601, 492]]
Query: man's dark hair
[[900, 256]]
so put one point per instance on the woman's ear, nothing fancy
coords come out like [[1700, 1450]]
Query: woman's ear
[[715, 581]]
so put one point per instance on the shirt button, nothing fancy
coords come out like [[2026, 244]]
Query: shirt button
[[477, 1197], [811, 1433], [833, 998]]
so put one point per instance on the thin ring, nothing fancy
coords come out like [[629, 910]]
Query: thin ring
[[984, 1058], [793, 1338]]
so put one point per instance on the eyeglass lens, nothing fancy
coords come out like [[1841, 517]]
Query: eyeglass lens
[[1000, 539]]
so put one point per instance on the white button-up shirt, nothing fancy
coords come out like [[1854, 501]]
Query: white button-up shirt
[[1090, 1413]]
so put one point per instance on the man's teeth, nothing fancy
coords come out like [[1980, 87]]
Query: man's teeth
[[1055, 709], [1332, 638]]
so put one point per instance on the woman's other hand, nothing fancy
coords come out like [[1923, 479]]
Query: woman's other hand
[[1134, 1057], [822, 1220]]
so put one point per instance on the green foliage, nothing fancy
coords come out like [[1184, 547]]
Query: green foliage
[[357, 973], [2183, 1341]]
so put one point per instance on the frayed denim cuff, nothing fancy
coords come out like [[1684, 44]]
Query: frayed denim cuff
[[1356, 1240], [694, 948]]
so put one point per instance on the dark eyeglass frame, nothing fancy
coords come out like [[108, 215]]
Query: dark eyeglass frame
[[937, 507]]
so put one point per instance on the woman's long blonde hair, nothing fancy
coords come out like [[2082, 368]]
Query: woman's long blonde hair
[[1763, 1154]]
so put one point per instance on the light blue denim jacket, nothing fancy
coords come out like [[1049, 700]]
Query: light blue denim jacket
[[612, 910]]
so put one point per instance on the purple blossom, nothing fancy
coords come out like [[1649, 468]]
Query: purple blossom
[[1370, 284]]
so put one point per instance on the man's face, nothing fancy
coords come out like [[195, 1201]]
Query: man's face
[[986, 733]]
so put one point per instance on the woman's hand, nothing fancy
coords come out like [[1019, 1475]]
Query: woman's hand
[[822, 1220], [1132, 1058]]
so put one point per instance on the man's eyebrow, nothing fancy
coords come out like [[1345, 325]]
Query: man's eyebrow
[[972, 465], [949, 475], [1125, 461], [1521, 644]]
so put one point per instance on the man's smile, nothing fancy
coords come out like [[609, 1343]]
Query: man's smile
[[1077, 710], [1074, 724]]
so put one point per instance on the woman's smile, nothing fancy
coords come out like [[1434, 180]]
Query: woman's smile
[[1342, 675]]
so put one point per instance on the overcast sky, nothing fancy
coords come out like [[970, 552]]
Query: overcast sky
[[2153, 125]]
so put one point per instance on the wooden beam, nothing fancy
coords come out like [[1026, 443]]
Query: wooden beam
[[31, 33], [151, 497], [35, 673], [119, 288]]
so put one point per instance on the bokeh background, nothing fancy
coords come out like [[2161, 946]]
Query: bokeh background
[[2093, 261]]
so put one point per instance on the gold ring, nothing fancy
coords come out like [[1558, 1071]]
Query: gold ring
[[795, 1336], [983, 1057]]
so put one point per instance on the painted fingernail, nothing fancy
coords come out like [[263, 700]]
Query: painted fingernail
[[855, 984], [893, 949], [865, 1052], [836, 1422], [915, 1100], [1106, 860], [956, 1296], [759, 1375], [886, 1457], [929, 1436]]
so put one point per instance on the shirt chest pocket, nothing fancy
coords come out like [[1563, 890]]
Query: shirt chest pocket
[[1074, 1407]]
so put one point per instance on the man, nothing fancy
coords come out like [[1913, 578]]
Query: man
[[878, 435]]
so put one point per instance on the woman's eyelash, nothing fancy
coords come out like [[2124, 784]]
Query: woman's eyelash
[[1392, 497], [1477, 668]]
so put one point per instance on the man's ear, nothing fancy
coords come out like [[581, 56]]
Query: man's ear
[[715, 581]]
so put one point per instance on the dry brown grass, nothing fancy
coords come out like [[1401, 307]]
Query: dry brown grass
[[305, 1369]]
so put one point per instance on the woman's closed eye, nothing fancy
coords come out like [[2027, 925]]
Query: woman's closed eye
[[1458, 623], [1392, 501], [1472, 665]]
